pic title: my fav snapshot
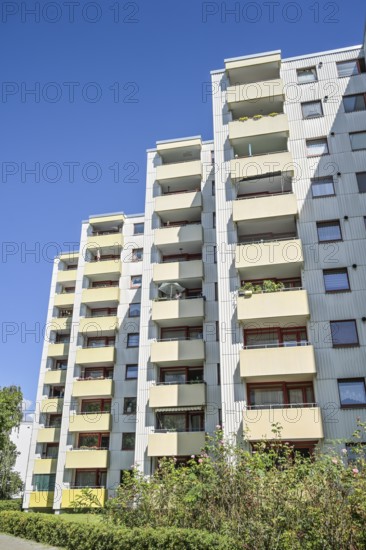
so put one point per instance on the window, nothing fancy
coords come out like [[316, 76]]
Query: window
[[344, 333], [129, 405], [218, 371], [181, 375], [322, 187], [352, 392], [306, 75], [61, 364], [213, 189], [361, 182], [352, 103], [336, 280], [103, 312], [64, 313], [133, 340], [262, 396], [137, 254], [96, 405], [128, 441], [312, 109], [44, 482], [216, 289], [90, 478], [181, 333], [71, 267], [54, 421], [136, 281], [275, 337], [138, 228], [316, 147], [100, 341], [181, 422], [62, 338], [97, 440], [134, 310], [358, 141], [213, 220], [104, 284], [131, 372], [68, 290], [329, 231], [348, 68], [51, 450], [95, 373]]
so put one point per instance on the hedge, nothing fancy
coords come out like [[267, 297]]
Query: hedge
[[76, 536], [15, 504]]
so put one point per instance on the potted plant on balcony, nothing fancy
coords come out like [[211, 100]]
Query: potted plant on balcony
[[273, 114], [257, 117], [243, 118], [246, 289], [272, 286]]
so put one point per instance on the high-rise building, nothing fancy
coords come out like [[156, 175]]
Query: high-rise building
[[242, 304]]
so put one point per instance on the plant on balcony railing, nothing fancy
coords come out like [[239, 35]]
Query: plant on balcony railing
[[256, 117], [267, 286]]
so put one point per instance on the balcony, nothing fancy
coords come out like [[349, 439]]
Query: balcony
[[90, 422], [60, 323], [258, 68], [177, 271], [45, 466], [96, 356], [109, 219], [264, 207], [178, 352], [51, 405], [67, 276], [87, 458], [105, 267], [280, 308], [174, 172], [41, 499], [58, 351], [69, 495], [250, 98], [179, 205], [48, 435], [65, 299], [169, 239], [177, 395], [93, 388], [167, 312], [272, 258], [98, 325], [175, 443], [239, 130], [269, 364], [261, 164], [298, 423], [55, 377], [113, 242], [101, 296]]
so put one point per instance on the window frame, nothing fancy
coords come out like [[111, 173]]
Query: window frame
[[302, 70], [138, 232], [324, 179], [318, 101], [125, 405], [123, 444], [126, 371], [329, 272], [329, 222], [129, 309], [354, 133], [309, 155], [358, 185], [132, 285], [357, 60], [285, 387], [280, 331], [345, 345], [129, 335], [362, 94], [351, 406]]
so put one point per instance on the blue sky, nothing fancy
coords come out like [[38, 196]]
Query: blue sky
[[110, 79]]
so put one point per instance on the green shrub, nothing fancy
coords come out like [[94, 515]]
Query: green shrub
[[15, 504], [76, 536]]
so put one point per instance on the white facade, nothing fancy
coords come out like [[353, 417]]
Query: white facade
[[21, 437]]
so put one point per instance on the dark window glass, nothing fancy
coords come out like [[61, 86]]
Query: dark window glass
[[336, 280], [134, 310], [137, 254], [322, 187], [361, 182], [44, 482], [129, 405], [131, 372], [352, 392], [354, 103], [138, 228], [358, 141], [136, 281], [128, 442], [348, 68], [306, 75], [329, 231], [312, 109], [344, 333], [133, 340]]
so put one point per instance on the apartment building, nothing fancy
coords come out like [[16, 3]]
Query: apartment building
[[242, 303]]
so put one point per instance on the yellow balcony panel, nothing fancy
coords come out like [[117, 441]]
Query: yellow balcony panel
[[100, 295], [177, 395], [175, 444], [255, 91], [45, 466], [112, 242], [260, 127], [58, 350], [67, 276], [96, 356], [169, 203], [179, 170], [89, 325], [48, 435], [64, 299], [89, 459], [258, 68], [259, 165], [178, 352], [283, 258], [163, 147], [93, 388], [278, 308], [69, 495], [55, 377], [71, 257], [105, 267], [264, 207], [109, 219], [282, 363], [191, 233], [91, 422], [178, 310], [41, 499], [60, 323], [297, 423], [51, 405], [177, 271]]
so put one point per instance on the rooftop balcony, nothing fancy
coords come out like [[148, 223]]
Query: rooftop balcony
[[103, 267], [299, 423], [93, 388], [177, 271], [87, 459], [69, 495], [179, 150], [280, 308], [177, 395], [170, 239], [96, 356], [45, 466], [175, 443], [291, 363], [261, 164], [41, 499], [168, 312], [90, 422], [258, 68], [178, 352], [264, 207], [48, 435]]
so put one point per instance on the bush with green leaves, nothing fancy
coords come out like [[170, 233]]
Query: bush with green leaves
[[14, 504]]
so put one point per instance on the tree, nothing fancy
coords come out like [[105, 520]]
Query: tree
[[10, 417]]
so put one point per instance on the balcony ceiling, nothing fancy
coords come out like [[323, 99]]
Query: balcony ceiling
[[269, 184], [171, 153], [253, 70], [275, 225], [261, 144]]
